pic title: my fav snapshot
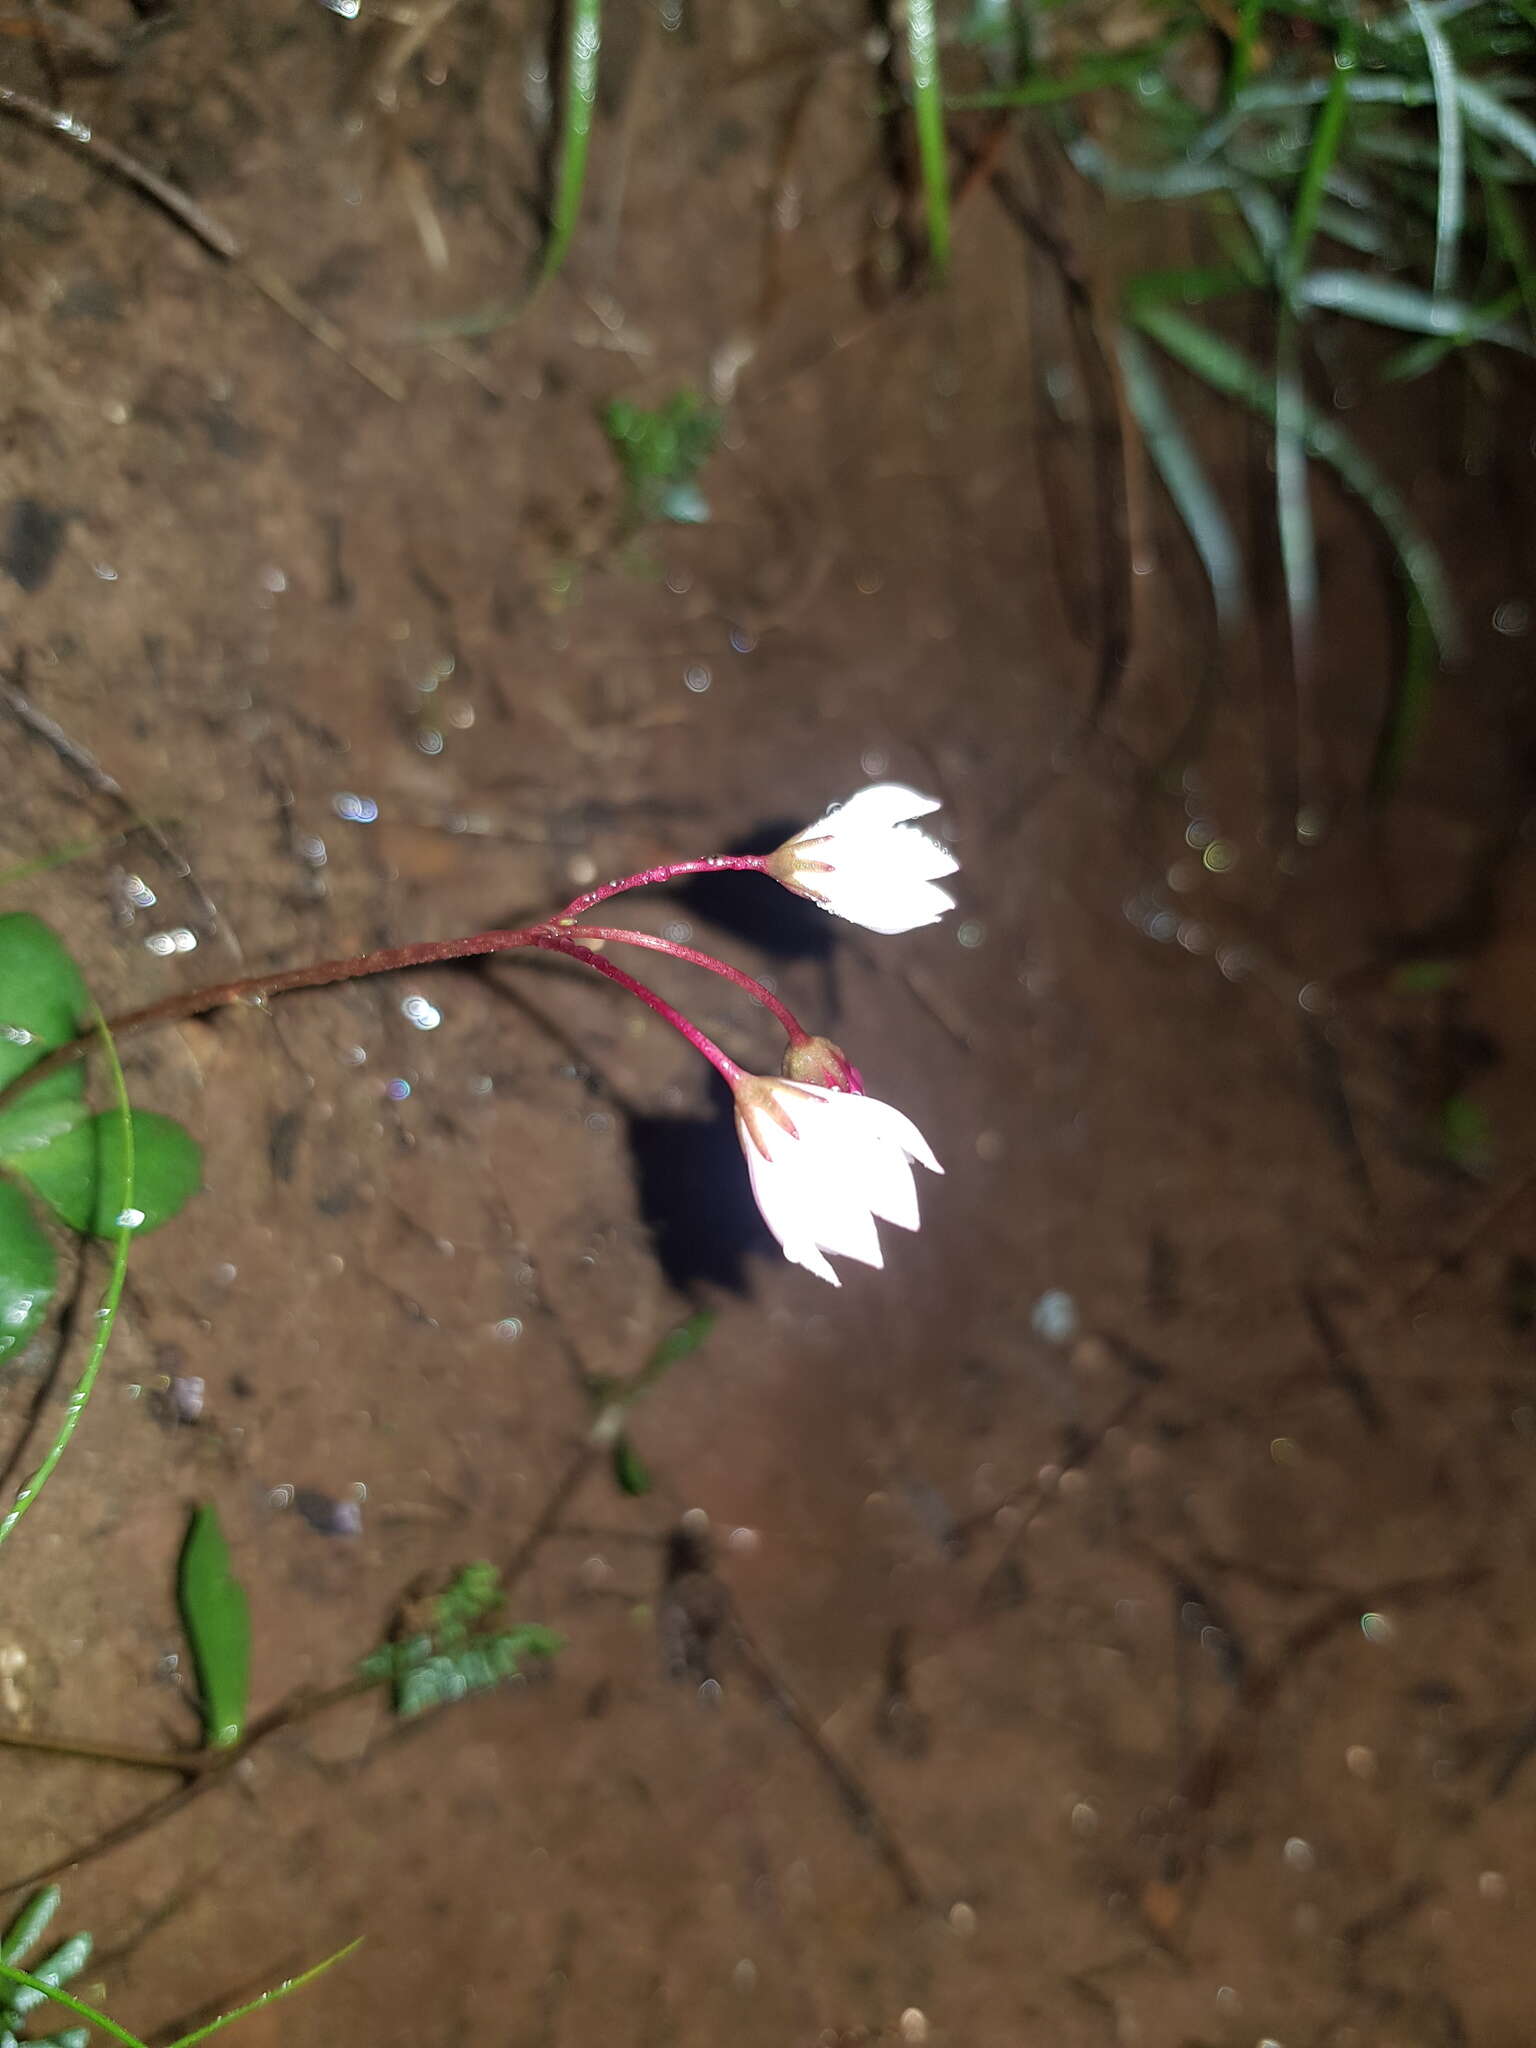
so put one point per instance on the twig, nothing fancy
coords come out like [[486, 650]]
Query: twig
[[96, 778], [178, 204], [188, 1763], [201, 224]]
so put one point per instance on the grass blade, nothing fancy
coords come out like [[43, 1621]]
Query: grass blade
[[932, 148], [1293, 503], [1508, 233], [106, 1315], [1091, 74], [1408, 704], [583, 41], [1250, 17], [1225, 369], [217, 1618], [289, 1984], [55, 1996], [1185, 481], [1490, 116], [1386, 303], [1450, 198]]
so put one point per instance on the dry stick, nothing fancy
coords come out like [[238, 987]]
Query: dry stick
[[178, 204], [84, 763], [203, 1768], [201, 224], [1101, 383], [859, 1804]]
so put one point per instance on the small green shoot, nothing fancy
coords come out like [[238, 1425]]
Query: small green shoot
[[456, 1643], [661, 450], [217, 1619]]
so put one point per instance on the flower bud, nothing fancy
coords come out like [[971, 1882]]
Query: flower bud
[[823, 1065]]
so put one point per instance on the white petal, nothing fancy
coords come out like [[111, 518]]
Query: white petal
[[883, 905], [881, 804], [918, 856], [807, 1255]]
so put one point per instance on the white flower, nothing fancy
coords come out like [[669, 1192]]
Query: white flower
[[824, 1164], [866, 862]]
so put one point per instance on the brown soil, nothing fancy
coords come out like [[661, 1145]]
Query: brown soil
[[1172, 1684]]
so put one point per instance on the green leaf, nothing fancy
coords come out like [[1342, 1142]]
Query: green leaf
[[217, 1619], [1425, 977], [461, 1651], [106, 1315], [629, 1472], [62, 1967], [1467, 1134], [42, 998], [79, 1173], [43, 1113], [661, 450], [28, 1271], [30, 1924]]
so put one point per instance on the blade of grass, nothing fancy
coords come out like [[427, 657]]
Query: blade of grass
[[1092, 74], [1490, 116], [928, 105], [1250, 17], [1422, 356], [60, 857], [288, 1985], [1508, 232], [72, 2004], [1450, 196], [1386, 303], [1408, 704], [106, 1315], [1185, 481], [1293, 504], [1227, 370], [583, 41]]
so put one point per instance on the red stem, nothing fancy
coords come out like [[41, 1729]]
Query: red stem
[[617, 936], [722, 1062], [668, 871]]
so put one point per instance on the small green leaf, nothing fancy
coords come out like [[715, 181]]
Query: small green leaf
[[661, 450], [217, 1619], [28, 1271], [79, 1173], [1467, 1134], [1425, 977], [629, 1472], [62, 1967], [30, 1924], [42, 998], [45, 1112]]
